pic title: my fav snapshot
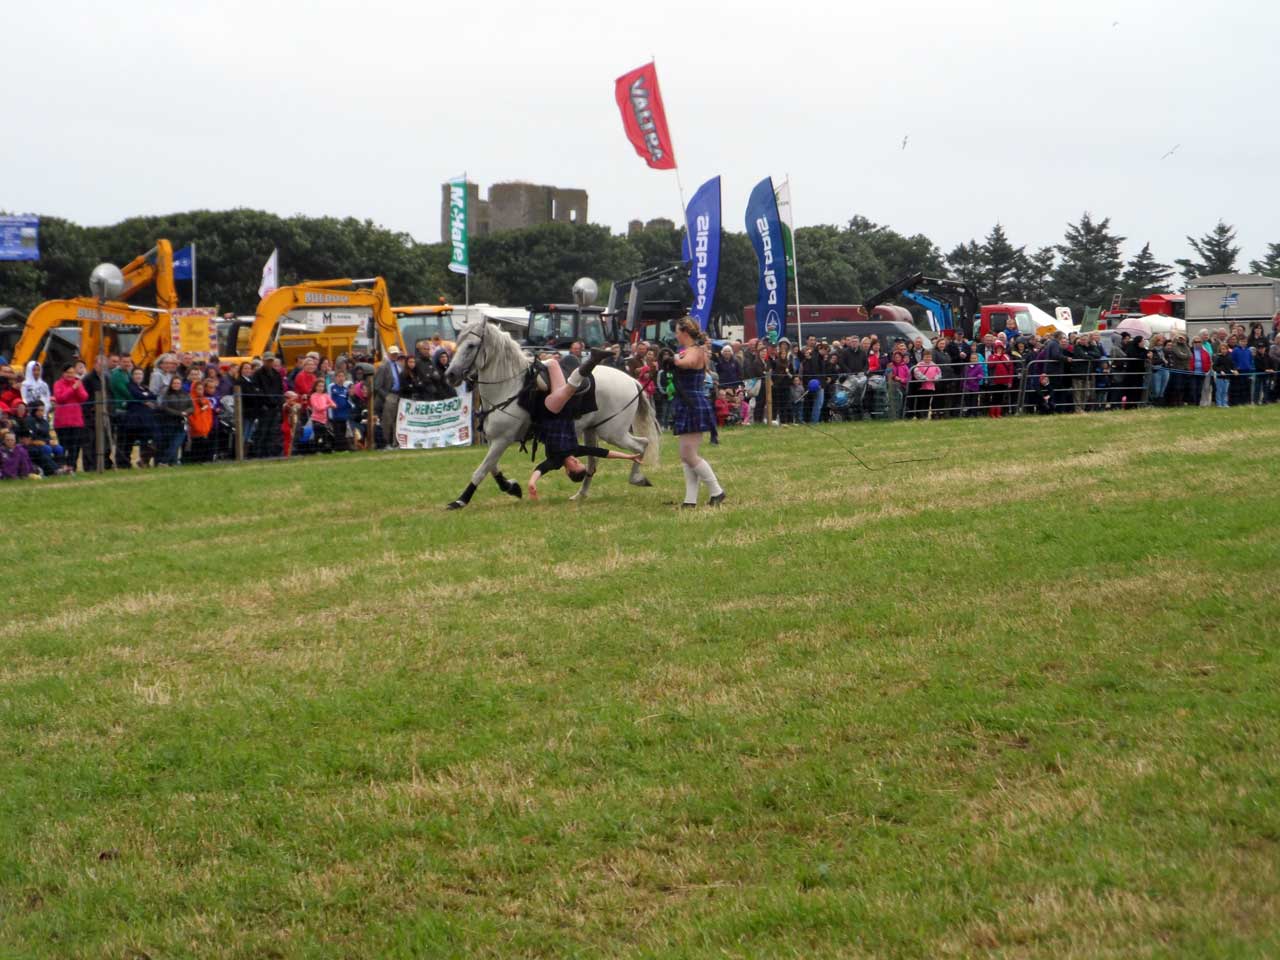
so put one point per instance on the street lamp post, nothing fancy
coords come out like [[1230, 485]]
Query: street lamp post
[[106, 282]]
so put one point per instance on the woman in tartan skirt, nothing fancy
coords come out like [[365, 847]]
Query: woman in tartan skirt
[[692, 411]]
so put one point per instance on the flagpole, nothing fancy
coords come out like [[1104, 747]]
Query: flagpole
[[795, 266], [193, 274], [684, 210]]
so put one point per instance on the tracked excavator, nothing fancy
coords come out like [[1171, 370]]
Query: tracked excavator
[[269, 330], [58, 331]]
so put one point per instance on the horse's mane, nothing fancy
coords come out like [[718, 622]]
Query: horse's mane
[[502, 355]]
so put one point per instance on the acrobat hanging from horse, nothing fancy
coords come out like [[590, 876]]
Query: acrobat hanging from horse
[[601, 402]]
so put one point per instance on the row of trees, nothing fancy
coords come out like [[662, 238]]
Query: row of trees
[[838, 264], [1087, 269]]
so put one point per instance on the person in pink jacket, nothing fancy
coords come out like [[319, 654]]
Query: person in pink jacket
[[899, 380], [928, 373], [68, 416]]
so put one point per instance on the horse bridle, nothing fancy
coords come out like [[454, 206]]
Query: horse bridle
[[471, 374]]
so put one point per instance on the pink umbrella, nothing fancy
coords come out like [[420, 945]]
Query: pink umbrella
[[1135, 326]]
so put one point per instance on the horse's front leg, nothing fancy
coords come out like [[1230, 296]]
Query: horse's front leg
[[487, 465], [510, 487], [588, 440]]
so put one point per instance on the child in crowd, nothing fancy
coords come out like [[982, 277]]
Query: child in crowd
[[794, 412], [340, 412], [1224, 376], [1044, 394], [38, 439], [358, 395], [289, 420], [321, 403], [200, 422], [972, 388], [927, 373], [722, 407], [14, 462], [1103, 384]]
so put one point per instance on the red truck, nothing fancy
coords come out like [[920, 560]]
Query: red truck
[[1155, 305]]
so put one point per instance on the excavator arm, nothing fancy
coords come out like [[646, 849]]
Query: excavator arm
[[153, 267], [321, 295], [940, 309], [891, 292], [90, 316], [965, 296]]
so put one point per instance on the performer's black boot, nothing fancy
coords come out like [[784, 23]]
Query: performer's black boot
[[597, 354]]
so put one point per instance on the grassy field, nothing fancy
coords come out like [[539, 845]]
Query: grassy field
[[1020, 701]]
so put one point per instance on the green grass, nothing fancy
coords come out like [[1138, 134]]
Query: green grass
[[1020, 701]]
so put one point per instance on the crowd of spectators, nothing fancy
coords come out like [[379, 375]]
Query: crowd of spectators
[[183, 410], [994, 375]]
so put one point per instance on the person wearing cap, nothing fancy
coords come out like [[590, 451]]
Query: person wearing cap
[[386, 394], [37, 437], [268, 385]]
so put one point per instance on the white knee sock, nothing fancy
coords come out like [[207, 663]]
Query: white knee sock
[[704, 473], [690, 484], [574, 379]]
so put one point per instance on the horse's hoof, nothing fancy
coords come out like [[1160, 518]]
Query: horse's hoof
[[454, 505], [642, 482]]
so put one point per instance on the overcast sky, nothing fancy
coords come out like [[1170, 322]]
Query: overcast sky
[[1024, 112]]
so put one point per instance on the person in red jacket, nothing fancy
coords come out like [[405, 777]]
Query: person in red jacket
[[9, 392], [68, 414], [999, 379], [722, 407]]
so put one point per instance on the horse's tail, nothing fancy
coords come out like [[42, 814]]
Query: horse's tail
[[645, 425]]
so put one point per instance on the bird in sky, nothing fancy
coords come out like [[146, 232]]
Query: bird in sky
[[1171, 152], [904, 141]]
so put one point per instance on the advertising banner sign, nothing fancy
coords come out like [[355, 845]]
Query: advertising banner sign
[[425, 424], [643, 116], [703, 218], [19, 238], [765, 230], [195, 331], [460, 256]]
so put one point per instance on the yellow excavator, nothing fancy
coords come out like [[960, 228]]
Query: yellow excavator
[[58, 331], [242, 340]]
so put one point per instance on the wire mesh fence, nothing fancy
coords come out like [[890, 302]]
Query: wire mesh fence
[[127, 426]]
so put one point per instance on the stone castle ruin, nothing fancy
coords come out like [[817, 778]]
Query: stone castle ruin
[[514, 205]]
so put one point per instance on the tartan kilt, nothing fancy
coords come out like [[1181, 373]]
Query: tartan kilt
[[693, 417], [558, 433]]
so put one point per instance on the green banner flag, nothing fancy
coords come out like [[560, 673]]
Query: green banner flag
[[460, 261], [1090, 320]]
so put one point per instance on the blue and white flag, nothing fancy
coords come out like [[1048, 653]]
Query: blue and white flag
[[703, 218], [184, 263], [765, 230], [1230, 300]]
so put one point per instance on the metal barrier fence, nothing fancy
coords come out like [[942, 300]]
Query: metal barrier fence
[[957, 390], [146, 432], [240, 425]]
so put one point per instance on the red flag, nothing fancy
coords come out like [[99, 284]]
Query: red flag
[[640, 101]]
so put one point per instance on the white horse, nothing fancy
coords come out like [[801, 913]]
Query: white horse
[[623, 415]]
